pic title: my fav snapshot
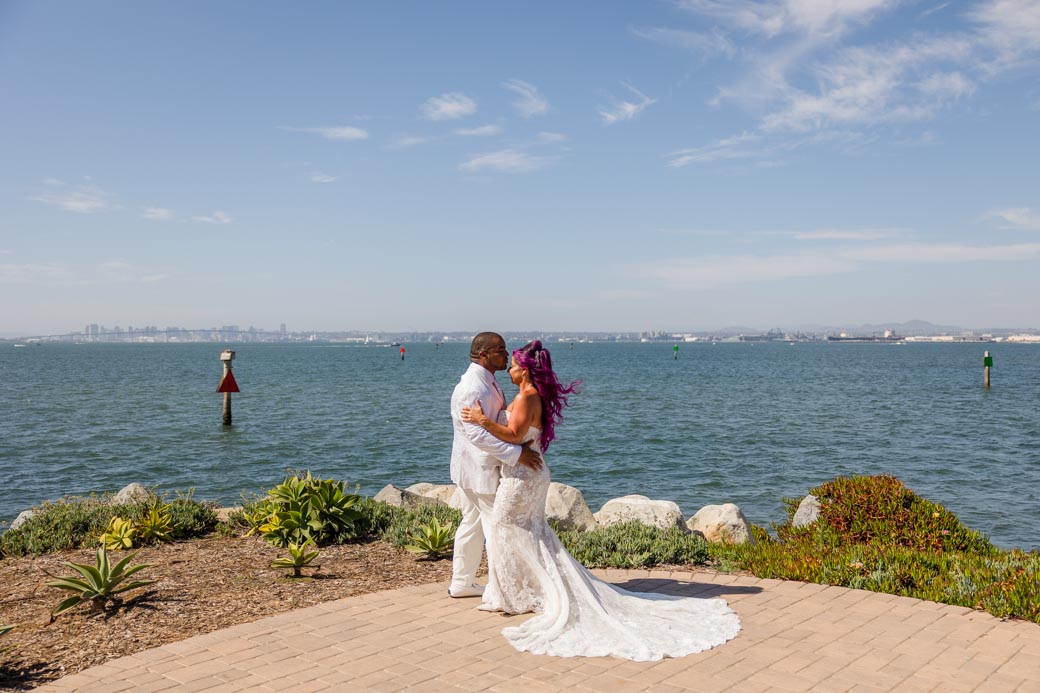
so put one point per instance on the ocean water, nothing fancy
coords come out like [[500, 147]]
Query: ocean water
[[742, 423]]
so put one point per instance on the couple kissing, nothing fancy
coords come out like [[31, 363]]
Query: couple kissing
[[502, 478]]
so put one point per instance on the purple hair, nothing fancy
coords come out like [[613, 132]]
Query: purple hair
[[553, 393]]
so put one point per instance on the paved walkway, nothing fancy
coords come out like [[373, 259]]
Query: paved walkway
[[794, 637]]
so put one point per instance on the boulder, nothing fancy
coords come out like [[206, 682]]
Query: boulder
[[22, 518], [656, 513], [721, 524], [391, 495], [567, 506], [445, 493], [808, 512], [224, 513], [131, 493]]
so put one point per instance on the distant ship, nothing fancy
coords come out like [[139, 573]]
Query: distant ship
[[888, 337], [771, 336]]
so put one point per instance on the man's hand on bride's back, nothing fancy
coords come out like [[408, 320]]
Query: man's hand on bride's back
[[529, 458]]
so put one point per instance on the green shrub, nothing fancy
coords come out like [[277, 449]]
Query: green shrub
[[303, 509], [868, 509], [875, 534], [379, 516], [119, 535], [432, 540], [58, 526], [634, 545], [72, 522], [299, 558], [156, 526], [97, 584], [397, 525]]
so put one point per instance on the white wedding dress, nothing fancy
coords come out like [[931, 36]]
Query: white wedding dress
[[577, 614]]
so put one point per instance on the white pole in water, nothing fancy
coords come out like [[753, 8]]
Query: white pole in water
[[226, 357], [987, 363]]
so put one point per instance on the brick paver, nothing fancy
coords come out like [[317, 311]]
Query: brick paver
[[794, 637]]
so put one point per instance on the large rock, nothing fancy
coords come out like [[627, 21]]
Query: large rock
[[402, 498], [224, 513], [656, 513], [22, 518], [131, 493], [721, 524], [445, 493], [808, 512], [567, 506]]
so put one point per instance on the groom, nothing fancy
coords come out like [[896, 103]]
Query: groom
[[476, 456]]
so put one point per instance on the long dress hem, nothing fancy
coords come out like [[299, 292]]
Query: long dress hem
[[576, 613]]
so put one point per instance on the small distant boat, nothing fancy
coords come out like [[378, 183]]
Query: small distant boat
[[19, 345], [395, 344]]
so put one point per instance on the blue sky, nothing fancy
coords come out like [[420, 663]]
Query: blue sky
[[678, 165]]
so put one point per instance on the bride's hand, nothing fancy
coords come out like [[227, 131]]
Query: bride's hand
[[474, 414]]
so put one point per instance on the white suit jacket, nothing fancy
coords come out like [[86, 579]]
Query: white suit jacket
[[476, 455]]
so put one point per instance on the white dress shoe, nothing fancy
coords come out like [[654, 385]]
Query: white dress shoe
[[470, 591]]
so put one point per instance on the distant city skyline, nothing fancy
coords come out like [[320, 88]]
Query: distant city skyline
[[100, 333], [684, 165]]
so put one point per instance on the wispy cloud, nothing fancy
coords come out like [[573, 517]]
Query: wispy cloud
[[622, 111], [735, 147], [706, 44], [158, 213], [1022, 218], [504, 161], [1010, 28], [764, 148], [121, 272], [113, 271], [83, 199], [322, 178], [801, 75], [819, 18], [448, 106], [407, 141], [718, 270], [341, 132], [550, 137], [31, 273], [710, 271], [482, 131], [929, 253], [882, 84], [848, 235], [530, 103], [215, 218], [933, 10]]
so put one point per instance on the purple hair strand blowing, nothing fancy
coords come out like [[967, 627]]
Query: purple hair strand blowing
[[538, 363]]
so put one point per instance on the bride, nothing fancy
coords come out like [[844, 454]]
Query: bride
[[578, 615]]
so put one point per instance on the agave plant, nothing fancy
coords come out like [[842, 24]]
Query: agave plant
[[432, 540], [98, 584], [4, 630], [299, 557], [156, 525], [303, 508], [120, 534]]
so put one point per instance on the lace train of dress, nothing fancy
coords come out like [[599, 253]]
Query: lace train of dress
[[577, 614]]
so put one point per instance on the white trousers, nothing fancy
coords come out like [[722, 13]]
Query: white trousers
[[469, 537]]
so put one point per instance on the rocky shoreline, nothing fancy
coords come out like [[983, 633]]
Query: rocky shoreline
[[566, 507]]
